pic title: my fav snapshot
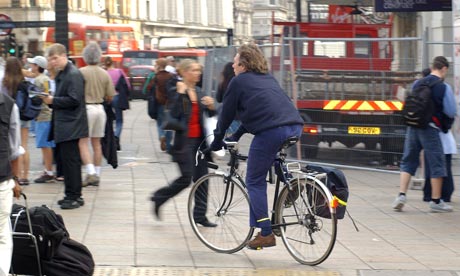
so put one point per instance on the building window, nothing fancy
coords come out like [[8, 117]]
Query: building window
[[15, 4], [215, 12], [192, 10], [147, 7], [32, 3], [118, 7], [167, 10]]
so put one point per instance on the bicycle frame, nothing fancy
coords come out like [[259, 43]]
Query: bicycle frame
[[235, 157], [284, 176]]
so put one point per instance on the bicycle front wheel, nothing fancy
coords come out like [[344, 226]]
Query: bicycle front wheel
[[307, 224], [225, 202]]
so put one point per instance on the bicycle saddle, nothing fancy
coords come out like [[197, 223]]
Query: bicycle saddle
[[289, 142]]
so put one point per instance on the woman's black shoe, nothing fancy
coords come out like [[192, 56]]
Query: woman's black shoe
[[156, 206], [206, 223]]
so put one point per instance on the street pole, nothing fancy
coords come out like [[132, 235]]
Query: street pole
[[61, 29], [298, 6]]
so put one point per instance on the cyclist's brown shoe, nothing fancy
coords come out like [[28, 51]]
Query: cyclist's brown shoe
[[260, 241]]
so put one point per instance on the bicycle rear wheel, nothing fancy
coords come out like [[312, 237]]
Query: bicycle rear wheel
[[308, 227], [227, 206]]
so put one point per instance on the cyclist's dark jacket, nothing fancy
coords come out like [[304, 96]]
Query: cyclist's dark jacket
[[258, 102]]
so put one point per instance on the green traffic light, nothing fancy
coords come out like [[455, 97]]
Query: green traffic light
[[12, 51]]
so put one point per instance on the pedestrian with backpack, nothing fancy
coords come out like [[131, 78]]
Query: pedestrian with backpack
[[427, 95], [38, 64], [159, 85]]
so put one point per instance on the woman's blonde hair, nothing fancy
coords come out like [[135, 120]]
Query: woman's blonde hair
[[252, 58], [185, 65]]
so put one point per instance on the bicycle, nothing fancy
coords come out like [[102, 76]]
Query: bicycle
[[303, 213]]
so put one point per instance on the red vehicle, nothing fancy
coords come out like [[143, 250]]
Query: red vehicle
[[346, 90], [148, 57], [112, 38], [137, 75]]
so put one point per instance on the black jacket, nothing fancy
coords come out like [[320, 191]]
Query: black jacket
[[181, 106], [123, 93], [108, 143], [69, 109]]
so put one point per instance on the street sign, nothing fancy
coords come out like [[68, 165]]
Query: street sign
[[25, 24], [5, 30]]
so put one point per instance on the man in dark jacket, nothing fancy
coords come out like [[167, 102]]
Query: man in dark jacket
[[69, 122]]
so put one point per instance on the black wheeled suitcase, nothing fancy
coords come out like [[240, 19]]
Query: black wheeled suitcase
[[26, 253]]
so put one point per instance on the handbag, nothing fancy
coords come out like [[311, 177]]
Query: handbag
[[210, 123], [152, 107]]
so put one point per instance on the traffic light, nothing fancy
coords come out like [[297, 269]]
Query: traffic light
[[12, 46], [3, 47], [20, 50]]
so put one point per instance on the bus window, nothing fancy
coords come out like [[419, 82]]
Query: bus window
[[143, 57]]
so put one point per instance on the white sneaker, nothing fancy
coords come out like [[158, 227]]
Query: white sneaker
[[441, 207], [399, 202]]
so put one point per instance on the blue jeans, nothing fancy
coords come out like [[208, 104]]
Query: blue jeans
[[118, 116], [427, 139], [161, 132], [262, 153]]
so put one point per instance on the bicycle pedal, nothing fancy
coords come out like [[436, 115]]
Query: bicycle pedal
[[258, 248]]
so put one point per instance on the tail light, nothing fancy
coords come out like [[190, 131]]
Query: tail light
[[311, 129]]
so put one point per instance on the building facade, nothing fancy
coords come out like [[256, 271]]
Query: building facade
[[151, 19]]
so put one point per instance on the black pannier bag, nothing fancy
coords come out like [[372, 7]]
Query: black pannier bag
[[71, 259], [337, 184], [48, 227]]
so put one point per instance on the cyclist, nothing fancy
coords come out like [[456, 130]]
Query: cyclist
[[264, 109]]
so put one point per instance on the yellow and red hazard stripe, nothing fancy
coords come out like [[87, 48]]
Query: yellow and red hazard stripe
[[356, 105]]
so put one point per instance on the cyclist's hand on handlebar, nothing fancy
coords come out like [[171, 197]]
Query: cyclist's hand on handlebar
[[217, 145]]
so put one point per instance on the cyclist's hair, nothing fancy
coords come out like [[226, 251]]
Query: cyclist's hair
[[185, 65], [56, 49], [252, 58], [439, 62], [92, 53]]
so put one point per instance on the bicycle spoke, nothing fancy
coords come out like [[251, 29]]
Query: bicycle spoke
[[307, 226], [228, 207]]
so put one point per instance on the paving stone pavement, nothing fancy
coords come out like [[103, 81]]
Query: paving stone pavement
[[117, 225]]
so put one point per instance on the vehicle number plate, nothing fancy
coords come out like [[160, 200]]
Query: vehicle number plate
[[364, 130]]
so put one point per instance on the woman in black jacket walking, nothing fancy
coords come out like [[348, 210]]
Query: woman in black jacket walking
[[188, 103]]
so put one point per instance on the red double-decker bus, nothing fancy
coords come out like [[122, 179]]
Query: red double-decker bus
[[112, 38]]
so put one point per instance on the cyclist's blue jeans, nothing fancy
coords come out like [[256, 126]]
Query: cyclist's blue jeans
[[262, 153], [168, 134], [118, 116]]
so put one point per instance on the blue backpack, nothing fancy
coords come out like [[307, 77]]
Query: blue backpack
[[28, 102]]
